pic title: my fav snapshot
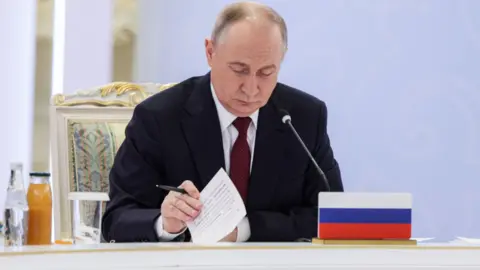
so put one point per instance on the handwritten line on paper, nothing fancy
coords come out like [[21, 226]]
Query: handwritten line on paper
[[222, 210]]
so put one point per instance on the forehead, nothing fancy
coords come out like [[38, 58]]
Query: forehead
[[252, 43]]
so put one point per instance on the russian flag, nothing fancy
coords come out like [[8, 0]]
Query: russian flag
[[361, 216]]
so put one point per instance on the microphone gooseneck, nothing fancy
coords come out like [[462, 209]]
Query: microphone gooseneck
[[287, 119]]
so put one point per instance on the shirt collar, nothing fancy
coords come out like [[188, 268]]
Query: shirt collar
[[226, 118]]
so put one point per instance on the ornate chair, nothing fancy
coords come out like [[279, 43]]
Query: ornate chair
[[87, 128]]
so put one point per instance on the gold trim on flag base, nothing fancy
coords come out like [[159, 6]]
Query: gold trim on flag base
[[396, 242]]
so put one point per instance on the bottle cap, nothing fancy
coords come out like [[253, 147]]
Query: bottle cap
[[39, 174], [16, 165]]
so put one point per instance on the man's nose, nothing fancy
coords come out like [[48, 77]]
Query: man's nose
[[250, 86]]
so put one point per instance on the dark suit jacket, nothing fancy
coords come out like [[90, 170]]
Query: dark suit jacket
[[175, 136]]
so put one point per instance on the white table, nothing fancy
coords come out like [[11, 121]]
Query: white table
[[240, 256]]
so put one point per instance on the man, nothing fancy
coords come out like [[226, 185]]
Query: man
[[227, 118]]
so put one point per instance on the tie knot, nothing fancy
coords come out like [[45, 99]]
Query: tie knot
[[241, 124]]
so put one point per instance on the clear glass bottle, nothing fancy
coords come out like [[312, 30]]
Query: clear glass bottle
[[16, 209], [39, 197]]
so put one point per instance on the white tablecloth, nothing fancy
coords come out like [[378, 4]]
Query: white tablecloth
[[240, 256]]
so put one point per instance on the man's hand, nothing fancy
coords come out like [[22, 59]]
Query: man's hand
[[178, 208], [231, 237]]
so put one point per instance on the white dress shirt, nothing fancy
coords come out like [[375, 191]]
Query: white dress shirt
[[229, 135]]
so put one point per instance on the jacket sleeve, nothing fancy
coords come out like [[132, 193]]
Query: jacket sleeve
[[135, 202]]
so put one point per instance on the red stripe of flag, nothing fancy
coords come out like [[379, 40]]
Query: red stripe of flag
[[358, 231]]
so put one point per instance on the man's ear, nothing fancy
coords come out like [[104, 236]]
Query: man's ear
[[209, 50], [284, 53]]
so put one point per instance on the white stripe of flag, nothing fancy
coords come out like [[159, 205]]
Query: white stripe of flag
[[364, 200]]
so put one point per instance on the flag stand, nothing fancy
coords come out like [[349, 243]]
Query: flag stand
[[390, 242]]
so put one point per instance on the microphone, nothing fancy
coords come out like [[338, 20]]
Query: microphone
[[287, 119]]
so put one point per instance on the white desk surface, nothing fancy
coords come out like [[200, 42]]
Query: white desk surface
[[240, 256]]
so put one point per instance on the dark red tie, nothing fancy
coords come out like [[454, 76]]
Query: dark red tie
[[240, 157]]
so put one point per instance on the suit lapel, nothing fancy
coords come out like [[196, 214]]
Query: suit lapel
[[202, 131], [268, 157]]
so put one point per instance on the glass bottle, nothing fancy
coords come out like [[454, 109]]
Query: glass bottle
[[39, 198], [16, 209]]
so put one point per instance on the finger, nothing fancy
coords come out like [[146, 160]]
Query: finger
[[192, 202], [170, 210], [176, 213], [190, 189], [186, 208], [168, 206]]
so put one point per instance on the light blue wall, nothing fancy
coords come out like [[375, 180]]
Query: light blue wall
[[402, 82]]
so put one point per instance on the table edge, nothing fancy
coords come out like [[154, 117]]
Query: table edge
[[222, 248]]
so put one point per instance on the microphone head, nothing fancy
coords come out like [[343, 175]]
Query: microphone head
[[285, 116]]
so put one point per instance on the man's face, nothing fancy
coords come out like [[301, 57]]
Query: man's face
[[245, 64]]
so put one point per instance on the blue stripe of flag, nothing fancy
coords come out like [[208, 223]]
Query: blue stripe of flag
[[364, 215]]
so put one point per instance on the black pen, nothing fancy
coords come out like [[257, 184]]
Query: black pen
[[170, 188]]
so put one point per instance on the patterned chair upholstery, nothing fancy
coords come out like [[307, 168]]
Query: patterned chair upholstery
[[87, 128]]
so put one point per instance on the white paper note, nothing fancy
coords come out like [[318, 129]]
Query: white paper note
[[474, 241], [222, 210]]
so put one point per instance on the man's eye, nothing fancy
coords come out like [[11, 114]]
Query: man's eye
[[241, 71], [265, 74]]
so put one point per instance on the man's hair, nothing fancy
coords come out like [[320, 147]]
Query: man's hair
[[242, 10]]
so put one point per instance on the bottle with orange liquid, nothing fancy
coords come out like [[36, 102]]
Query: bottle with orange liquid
[[39, 197]]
